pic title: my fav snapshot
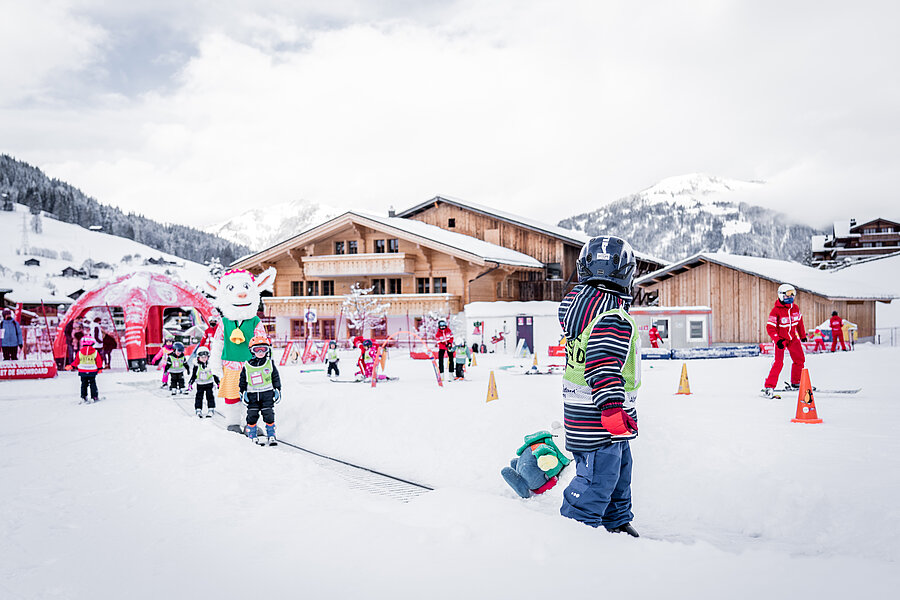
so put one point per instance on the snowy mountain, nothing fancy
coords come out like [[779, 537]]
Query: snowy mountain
[[56, 245], [260, 228], [683, 215]]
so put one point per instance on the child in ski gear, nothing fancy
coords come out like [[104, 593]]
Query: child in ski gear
[[260, 387], [12, 340], [164, 352], [205, 378], [837, 331], [88, 362], [366, 362], [462, 354], [600, 385], [785, 327], [237, 295], [655, 338], [176, 365], [331, 357], [819, 339], [536, 466], [444, 339]]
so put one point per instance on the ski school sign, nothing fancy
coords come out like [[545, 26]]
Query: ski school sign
[[28, 369]]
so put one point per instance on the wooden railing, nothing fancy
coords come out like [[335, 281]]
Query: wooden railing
[[352, 265], [401, 304]]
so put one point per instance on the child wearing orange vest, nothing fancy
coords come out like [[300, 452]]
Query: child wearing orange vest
[[88, 362]]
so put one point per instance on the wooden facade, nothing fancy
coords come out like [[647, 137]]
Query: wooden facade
[[741, 301], [415, 273], [556, 248], [861, 240]]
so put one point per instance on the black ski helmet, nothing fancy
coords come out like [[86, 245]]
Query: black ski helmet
[[442, 324], [332, 344], [607, 261]]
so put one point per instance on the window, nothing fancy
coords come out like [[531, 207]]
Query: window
[[510, 285], [663, 326], [378, 286], [327, 328], [339, 247], [379, 330], [296, 328], [379, 246], [870, 230], [439, 284], [312, 288], [313, 330], [296, 286], [394, 286], [695, 330], [422, 285], [393, 245], [499, 290], [352, 247], [451, 223], [328, 288]]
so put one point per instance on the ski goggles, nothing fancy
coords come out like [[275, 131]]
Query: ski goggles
[[258, 349]]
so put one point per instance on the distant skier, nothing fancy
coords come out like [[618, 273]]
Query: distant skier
[[176, 365], [332, 358], [463, 355], [785, 327], [655, 338], [203, 375], [600, 385], [89, 363], [837, 331], [260, 388], [444, 339]]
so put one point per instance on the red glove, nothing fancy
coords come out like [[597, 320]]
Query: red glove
[[617, 421]]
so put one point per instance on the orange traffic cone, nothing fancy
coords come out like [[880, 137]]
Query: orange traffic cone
[[684, 387], [806, 404], [492, 389]]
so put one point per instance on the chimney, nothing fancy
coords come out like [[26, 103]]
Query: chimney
[[391, 212], [852, 222]]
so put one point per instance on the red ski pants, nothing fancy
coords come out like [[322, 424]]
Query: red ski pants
[[795, 347], [837, 334]]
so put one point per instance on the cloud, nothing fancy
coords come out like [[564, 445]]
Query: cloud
[[532, 107]]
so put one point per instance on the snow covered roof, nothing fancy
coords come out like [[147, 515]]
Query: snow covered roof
[[572, 236], [817, 242], [824, 283], [456, 242], [33, 293]]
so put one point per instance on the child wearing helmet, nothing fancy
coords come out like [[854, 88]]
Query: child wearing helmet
[[164, 352], [463, 355], [260, 388], [205, 378], [332, 358], [600, 385], [176, 365], [366, 361], [785, 327], [88, 362]]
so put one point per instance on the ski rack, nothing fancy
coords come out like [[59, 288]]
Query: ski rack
[[359, 477]]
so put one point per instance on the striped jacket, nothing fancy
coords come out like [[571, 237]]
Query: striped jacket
[[610, 343]]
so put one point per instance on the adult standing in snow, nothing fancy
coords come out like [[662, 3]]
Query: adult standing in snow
[[12, 340], [837, 331], [600, 385], [655, 338], [444, 339], [786, 329]]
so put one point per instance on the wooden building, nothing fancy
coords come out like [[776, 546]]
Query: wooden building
[[555, 247], [416, 267], [851, 241], [741, 290]]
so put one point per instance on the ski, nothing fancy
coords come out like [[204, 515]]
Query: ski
[[824, 391]]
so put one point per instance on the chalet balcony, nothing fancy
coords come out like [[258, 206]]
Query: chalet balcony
[[401, 304], [357, 265]]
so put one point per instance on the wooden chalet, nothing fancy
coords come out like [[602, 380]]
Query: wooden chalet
[[741, 290], [555, 247], [416, 267], [851, 241]]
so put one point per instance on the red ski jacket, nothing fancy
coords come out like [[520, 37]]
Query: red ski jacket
[[836, 323], [444, 338], [654, 335], [785, 322], [87, 362]]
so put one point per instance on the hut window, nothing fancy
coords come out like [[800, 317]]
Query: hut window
[[451, 222], [695, 330]]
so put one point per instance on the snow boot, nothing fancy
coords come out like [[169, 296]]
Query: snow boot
[[270, 434], [626, 528], [768, 392], [174, 391], [199, 413], [210, 412], [251, 433], [516, 482]]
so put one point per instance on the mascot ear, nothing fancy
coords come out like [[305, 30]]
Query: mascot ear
[[213, 287], [266, 280]]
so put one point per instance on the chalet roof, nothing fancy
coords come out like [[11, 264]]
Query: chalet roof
[[571, 236], [454, 243], [858, 228], [832, 285]]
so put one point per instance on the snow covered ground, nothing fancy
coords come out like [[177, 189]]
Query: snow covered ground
[[132, 498]]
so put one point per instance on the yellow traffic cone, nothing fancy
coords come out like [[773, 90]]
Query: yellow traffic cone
[[684, 387], [492, 389]]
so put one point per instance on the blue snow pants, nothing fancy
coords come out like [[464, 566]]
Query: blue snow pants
[[600, 493]]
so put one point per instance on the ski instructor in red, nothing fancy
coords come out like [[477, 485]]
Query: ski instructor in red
[[786, 329]]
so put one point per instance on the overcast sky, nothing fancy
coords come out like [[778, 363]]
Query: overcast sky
[[190, 112]]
